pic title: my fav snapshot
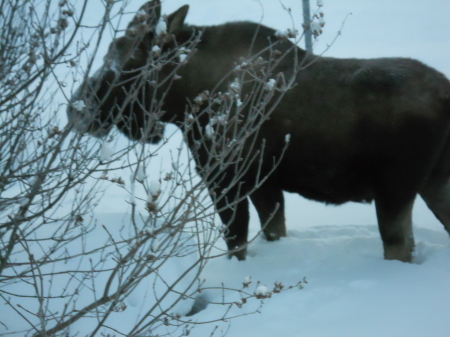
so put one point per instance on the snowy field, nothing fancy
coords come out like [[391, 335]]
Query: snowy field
[[350, 291]]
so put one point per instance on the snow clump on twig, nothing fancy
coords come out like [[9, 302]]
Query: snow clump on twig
[[235, 86], [161, 28], [106, 152], [262, 292], [154, 188], [209, 131], [156, 50], [247, 281], [270, 84], [78, 105], [140, 174]]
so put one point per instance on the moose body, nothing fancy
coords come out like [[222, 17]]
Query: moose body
[[360, 130]]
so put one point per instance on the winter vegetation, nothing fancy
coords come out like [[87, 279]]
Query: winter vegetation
[[64, 271], [112, 237]]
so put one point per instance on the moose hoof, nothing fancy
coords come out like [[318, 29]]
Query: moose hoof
[[274, 236], [398, 253], [239, 253]]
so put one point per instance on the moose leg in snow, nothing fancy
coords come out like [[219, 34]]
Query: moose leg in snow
[[436, 194], [269, 203], [395, 225], [235, 215]]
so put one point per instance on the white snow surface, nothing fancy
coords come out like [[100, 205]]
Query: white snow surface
[[351, 290]]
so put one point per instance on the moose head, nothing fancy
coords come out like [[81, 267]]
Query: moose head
[[126, 91]]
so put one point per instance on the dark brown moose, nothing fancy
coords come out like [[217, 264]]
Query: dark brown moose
[[360, 130]]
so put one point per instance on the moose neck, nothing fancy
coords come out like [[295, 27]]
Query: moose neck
[[220, 50]]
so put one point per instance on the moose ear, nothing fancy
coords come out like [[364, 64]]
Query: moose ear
[[176, 20], [147, 16]]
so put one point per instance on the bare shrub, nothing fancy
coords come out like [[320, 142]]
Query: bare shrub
[[62, 269]]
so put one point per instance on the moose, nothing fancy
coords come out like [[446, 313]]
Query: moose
[[361, 130]]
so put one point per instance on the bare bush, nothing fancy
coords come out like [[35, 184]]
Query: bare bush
[[65, 271]]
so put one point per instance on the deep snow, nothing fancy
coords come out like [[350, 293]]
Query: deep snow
[[351, 290]]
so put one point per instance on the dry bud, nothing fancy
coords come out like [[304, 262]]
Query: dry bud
[[151, 207], [55, 131], [63, 23], [278, 287]]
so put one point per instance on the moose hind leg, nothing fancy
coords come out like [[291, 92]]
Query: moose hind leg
[[269, 203], [436, 195], [395, 224]]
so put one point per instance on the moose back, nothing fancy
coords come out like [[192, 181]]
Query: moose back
[[360, 130]]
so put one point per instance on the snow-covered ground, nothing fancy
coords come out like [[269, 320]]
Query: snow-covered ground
[[351, 290]]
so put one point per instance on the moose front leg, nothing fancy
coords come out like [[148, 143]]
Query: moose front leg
[[269, 203], [395, 224], [235, 216]]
